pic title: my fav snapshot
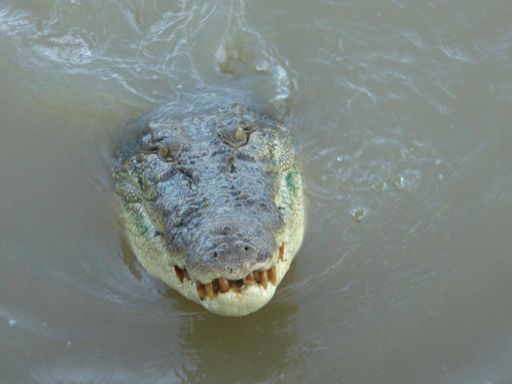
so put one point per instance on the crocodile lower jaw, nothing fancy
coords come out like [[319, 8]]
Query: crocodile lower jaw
[[234, 297]]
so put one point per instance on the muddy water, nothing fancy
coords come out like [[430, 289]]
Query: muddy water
[[402, 114]]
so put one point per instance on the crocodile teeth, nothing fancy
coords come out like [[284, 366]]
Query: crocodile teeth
[[263, 279], [223, 284], [272, 275], [179, 273], [201, 291], [215, 284], [281, 252], [249, 279], [209, 291]]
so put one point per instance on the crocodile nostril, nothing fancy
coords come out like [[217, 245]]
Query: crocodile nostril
[[227, 230], [247, 248], [214, 255]]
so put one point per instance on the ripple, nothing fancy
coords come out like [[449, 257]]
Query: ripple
[[14, 23], [69, 49]]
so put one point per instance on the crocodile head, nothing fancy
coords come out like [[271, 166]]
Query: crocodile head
[[212, 204]]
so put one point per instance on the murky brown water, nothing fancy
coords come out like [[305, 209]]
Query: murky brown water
[[402, 112]]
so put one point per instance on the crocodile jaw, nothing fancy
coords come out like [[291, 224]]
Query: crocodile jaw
[[159, 262]]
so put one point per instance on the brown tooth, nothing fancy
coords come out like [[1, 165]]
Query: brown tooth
[[215, 284], [249, 279], [209, 291], [201, 291], [185, 274], [272, 275], [223, 284], [179, 273], [281, 252], [263, 279]]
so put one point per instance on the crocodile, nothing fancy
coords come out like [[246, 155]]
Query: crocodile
[[212, 203]]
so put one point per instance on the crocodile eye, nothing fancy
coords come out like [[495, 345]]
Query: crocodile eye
[[235, 136], [240, 134], [164, 151], [170, 151]]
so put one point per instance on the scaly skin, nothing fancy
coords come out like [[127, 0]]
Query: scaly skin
[[212, 204]]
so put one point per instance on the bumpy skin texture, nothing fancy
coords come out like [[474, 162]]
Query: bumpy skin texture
[[212, 198]]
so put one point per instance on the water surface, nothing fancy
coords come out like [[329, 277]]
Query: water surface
[[401, 113]]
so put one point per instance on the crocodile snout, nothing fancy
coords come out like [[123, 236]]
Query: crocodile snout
[[231, 251]]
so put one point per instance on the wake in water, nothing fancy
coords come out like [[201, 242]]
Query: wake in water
[[145, 52], [244, 52]]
